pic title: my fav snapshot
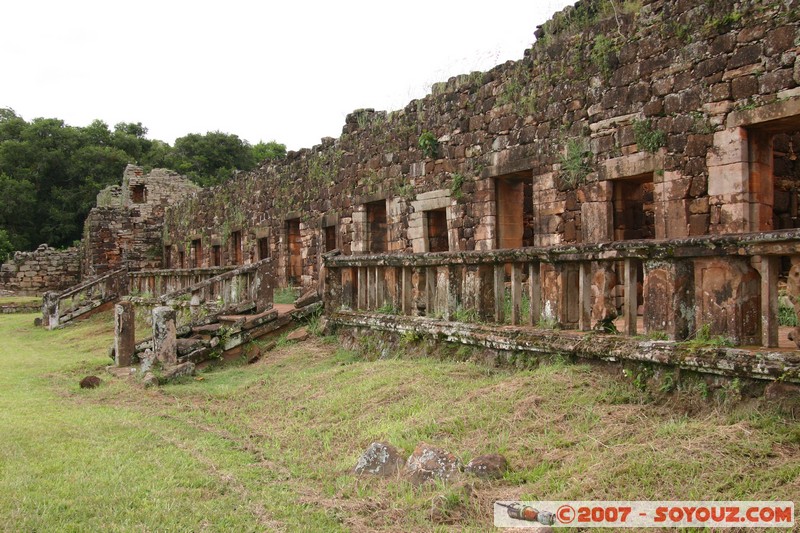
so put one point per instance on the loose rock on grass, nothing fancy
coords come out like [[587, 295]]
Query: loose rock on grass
[[380, 459], [90, 382]]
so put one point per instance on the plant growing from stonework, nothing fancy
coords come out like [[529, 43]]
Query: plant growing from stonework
[[456, 184], [604, 55], [428, 144], [647, 137], [574, 163]]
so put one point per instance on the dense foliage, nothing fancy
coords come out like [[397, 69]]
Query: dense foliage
[[51, 172]]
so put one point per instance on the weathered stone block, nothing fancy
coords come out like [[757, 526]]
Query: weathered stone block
[[165, 346], [124, 333], [727, 298], [429, 463], [597, 221], [728, 179], [668, 292], [380, 459]]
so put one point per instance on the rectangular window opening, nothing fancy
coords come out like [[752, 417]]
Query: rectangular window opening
[[263, 248], [197, 253], [634, 208], [515, 217], [786, 179], [138, 194], [294, 266], [437, 230], [216, 255], [236, 247], [377, 227], [330, 238]]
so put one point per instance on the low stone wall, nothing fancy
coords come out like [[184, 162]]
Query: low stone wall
[[20, 307], [523, 346], [46, 269]]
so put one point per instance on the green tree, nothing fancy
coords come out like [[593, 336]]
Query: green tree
[[18, 211], [268, 151], [6, 248], [50, 172], [211, 158]]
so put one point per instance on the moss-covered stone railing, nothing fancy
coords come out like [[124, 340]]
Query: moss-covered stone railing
[[724, 285], [157, 283], [58, 308], [213, 291]]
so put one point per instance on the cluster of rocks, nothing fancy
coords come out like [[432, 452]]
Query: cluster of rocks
[[426, 463]]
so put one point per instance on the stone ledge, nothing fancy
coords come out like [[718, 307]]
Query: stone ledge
[[731, 362]]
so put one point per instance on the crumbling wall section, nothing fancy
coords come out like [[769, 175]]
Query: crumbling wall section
[[46, 269], [125, 228]]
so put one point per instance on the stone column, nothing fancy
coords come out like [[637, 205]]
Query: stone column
[[124, 333], [516, 293], [534, 294], [669, 294], [585, 296], [770, 270], [631, 302], [164, 336], [265, 284], [333, 289]]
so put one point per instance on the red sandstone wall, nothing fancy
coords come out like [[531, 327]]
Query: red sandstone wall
[[686, 79]]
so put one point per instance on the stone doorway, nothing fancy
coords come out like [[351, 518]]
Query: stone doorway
[[294, 245], [514, 208]]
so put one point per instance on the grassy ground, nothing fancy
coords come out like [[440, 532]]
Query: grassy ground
[[20, 300], [271, 446]]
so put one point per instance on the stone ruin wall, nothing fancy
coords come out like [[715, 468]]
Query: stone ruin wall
[[655, 101], [125, 227], [46, 269]]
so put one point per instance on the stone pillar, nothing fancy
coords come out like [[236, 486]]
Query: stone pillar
[[585, 296], [499, 293], [770, 270], [265, 284], [728, 298], [430, 292], [407, 291], [516, 293], [454, 275], [631, 302], [50, 309], [534, 294], [164, 336], [361, 293], [333, 289], [124, 333], [668, 290], [349, 286]]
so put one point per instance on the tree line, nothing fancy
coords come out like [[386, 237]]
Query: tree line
[[51, 172]]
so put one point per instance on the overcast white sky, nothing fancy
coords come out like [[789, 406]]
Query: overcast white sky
[[288, 71]]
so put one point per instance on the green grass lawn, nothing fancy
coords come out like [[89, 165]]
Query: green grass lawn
[[20, 300], [272, 446]]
